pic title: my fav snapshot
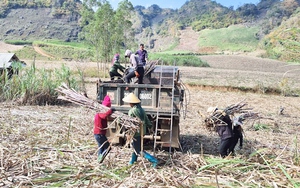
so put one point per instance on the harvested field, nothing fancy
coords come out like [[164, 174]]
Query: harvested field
[[54, 145]]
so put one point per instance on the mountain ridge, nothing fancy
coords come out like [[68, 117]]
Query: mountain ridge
[[166, 25]]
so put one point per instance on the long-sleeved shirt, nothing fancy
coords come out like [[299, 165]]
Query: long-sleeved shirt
[[135, 61], [143, 54], [116, 66], [100, 122], [226, 130], [139, 112]]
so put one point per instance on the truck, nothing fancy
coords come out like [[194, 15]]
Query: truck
[[162, 97]]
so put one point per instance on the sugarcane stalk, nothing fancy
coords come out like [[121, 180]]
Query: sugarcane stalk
[[70, 95]]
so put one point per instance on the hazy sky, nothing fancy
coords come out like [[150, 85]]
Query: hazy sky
[[174, 4]]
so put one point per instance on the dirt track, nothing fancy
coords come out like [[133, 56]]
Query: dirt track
[[5, 48]]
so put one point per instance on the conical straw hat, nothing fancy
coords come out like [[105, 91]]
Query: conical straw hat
[[131, 98]]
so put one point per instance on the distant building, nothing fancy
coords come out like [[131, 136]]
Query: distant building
[[8, 62]]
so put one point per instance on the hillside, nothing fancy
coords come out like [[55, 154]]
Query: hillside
[[33, 24], [164, 29]]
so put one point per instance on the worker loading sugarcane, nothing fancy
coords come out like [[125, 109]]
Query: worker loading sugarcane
[[162, 96], [160, 92], [228, 124], [137, 143]]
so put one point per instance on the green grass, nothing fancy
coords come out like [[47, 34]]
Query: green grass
[[65, 44], [18, 42], [179, 60], [29, 53], [233, 38], [36, 86], [68, 50], [259, 126]]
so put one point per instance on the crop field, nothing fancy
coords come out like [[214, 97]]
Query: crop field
[[53, 146]]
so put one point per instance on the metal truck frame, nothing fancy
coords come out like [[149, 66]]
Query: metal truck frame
[[161, 97]]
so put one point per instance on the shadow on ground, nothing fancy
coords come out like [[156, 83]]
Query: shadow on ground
[[199, 144], [208, 145]]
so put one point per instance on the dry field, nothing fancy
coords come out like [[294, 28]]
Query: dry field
[[54, 145]]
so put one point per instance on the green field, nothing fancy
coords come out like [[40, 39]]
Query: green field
[[233, 38]]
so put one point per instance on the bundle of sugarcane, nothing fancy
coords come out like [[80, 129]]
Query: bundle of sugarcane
[[73, 96], [216, 116], [150, 66]]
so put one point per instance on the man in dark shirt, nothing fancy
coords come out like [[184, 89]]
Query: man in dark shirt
[[143, 54]]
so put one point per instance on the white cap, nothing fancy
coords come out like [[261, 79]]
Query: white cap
[[128, 53]]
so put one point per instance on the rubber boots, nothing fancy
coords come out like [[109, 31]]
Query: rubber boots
[[150, 158], [133, 158]]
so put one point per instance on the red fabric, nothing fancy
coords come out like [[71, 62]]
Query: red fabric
[[100, 122]]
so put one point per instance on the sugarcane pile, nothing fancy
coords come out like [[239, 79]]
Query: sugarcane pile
[[68, 94], [239, 110], [150, 66]]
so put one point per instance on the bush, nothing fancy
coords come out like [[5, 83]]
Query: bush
[[18, 42], [179, 60], [34, 86]]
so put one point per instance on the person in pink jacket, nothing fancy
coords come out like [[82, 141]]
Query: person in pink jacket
[[100, 126]]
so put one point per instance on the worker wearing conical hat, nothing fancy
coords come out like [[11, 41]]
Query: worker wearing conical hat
[[137, 111]]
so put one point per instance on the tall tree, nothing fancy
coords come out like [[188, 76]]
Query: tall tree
[[124, 34], [104, 28]]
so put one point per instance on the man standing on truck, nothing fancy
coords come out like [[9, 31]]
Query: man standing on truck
[[137, 111], [137, 65], [143, 54]]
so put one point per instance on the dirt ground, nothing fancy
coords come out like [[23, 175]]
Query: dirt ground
[[71, 126], [5, 48]]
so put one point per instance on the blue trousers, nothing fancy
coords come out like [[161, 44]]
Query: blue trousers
[[141, 72], [101, 141]]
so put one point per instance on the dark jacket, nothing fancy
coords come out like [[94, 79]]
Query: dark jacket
[[116, 66], [238, 134], [225, 131]]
